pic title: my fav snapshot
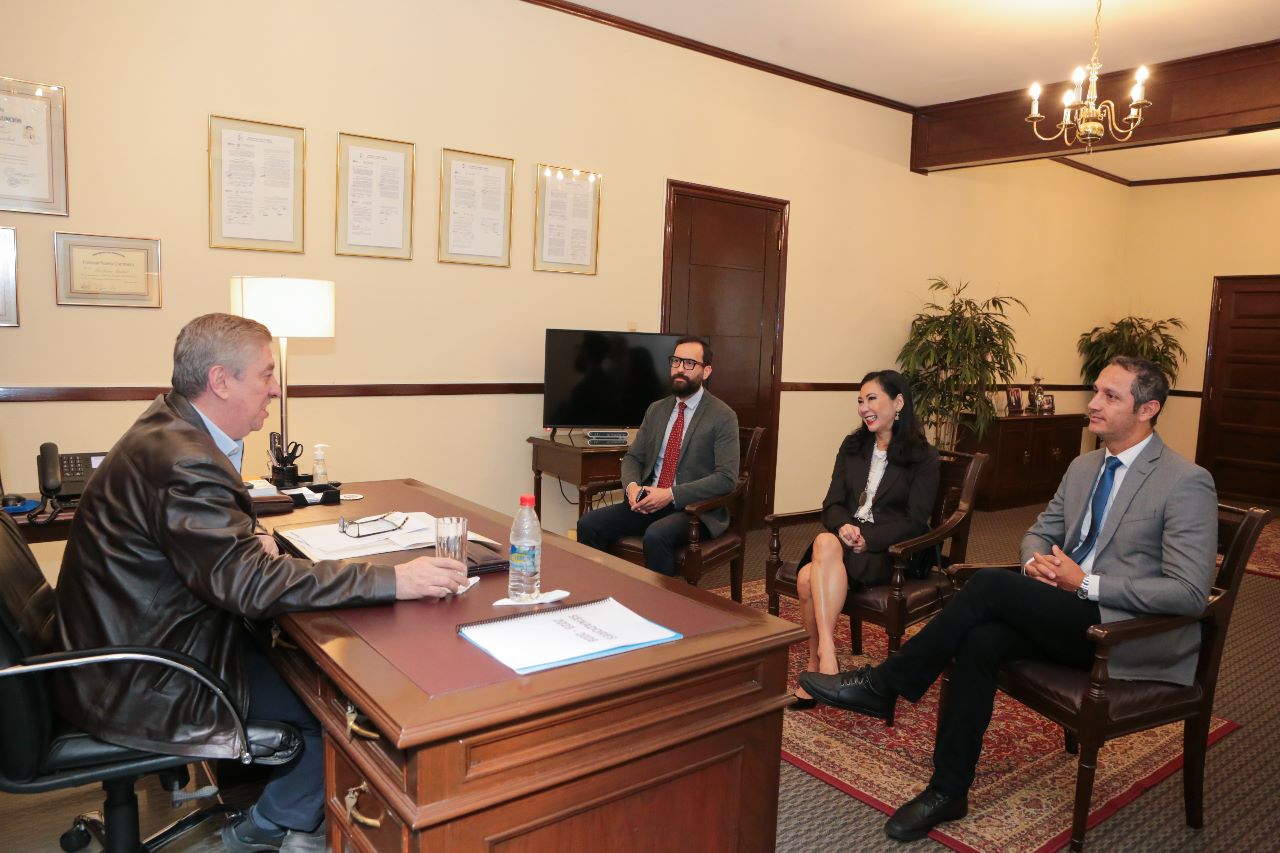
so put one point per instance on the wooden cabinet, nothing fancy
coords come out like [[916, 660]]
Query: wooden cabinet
[[1029, 455]]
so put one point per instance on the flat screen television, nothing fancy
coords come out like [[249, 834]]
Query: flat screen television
[[603, 379]]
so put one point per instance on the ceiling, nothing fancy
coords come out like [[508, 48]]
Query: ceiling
[[924, 52]]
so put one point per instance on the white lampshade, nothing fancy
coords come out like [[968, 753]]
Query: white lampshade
[[289, 307]]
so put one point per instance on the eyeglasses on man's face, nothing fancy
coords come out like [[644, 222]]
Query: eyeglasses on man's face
[[686, 363]]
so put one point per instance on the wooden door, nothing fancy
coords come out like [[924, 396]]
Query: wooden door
[[724, 276], [1239, 440]]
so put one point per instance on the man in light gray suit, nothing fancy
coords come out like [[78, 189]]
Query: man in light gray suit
[[686, 451], [1152, 552]]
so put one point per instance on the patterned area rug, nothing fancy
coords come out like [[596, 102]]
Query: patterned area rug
[[1022, 797], [1266, 554]]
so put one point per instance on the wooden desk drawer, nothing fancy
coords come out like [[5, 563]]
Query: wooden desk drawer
[[361, 734], [362, 813]]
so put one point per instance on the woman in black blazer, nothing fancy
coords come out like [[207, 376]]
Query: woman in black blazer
[[882, 491]]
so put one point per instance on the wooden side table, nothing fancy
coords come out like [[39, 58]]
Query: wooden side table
[[578, 464]]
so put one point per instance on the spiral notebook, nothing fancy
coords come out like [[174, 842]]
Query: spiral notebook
[[544, 639]]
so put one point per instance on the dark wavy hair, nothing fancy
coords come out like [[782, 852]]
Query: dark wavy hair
[[909, 442]]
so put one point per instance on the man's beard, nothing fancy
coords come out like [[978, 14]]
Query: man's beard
[[688, 389]]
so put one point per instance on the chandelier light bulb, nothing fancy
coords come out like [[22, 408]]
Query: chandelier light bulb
[[1142, 74], [1077, 76], [1068, 98], [1035, 91]]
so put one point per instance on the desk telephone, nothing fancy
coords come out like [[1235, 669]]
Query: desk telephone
[[62, 478]]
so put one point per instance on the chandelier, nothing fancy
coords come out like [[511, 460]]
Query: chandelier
[[1083, 118]]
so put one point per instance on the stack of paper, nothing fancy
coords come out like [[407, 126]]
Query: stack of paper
[[327, 542], [530, 642]]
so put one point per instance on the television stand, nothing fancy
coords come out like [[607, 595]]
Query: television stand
[[571, 463]]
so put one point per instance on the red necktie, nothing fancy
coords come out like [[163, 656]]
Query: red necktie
[[671, 458]]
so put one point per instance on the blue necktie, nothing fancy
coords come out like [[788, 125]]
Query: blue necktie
[[1097, 507]]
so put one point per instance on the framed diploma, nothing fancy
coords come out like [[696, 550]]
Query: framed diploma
[[120, 272], [566, 222], [8, 277], [475, 208], [375, 197], [33, 147], [256, 185]]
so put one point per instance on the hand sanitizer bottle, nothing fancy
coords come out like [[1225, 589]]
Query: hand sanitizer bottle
[[319, 470]]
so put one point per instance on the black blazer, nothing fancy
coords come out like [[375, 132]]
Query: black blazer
[[902, 503]]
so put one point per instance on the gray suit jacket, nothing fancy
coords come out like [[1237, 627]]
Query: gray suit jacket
[[1154, 555], [708, 464]]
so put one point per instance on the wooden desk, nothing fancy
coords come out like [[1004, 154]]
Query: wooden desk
[[673, 747], [56, 530], [571, 463]]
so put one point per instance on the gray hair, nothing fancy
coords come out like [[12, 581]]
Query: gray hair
[[213, 339], [1149, 381]]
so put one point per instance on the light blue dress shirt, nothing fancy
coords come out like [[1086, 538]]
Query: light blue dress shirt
[[689, 406]]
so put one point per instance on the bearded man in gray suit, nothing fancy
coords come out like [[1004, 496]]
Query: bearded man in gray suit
[[1139, 525], [686, 451]]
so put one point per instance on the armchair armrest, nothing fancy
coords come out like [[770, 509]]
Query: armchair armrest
[[142, 654], [590, 490], [900, 551], [1114, 633], [962, 572], [701, 508], [777, 521]]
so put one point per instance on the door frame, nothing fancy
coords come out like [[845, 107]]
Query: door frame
[[783, 208]]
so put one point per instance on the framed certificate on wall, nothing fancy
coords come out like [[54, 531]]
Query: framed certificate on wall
[[257, 175], [119, 272], [8, 277], [475, 208], [33, 147], [375, 197], [566, 226]]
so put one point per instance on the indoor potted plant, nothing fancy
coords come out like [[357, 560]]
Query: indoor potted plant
[[1132, 336], [954, 356]]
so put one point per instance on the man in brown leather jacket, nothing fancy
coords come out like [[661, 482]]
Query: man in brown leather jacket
[[163, 553]]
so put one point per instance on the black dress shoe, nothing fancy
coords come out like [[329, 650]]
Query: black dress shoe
[[802, 704], [852, 691], [930, 807]]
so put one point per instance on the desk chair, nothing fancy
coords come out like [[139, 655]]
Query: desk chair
[[905, 599], [40, 752], [1092, 709], [696, 558]]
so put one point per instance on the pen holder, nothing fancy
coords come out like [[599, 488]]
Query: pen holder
[[284, 476]]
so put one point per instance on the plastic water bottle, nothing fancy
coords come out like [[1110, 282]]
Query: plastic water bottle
[[524, 579]]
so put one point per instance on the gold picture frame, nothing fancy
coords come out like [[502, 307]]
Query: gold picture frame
[[562, 240], [369, 223], [257, 185], [114, 272], [33, 147], [476, 193], [8, 276]]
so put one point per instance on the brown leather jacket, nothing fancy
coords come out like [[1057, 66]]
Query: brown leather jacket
[[162, 553]]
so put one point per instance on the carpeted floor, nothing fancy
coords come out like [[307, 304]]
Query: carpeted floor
[[1239, 781]]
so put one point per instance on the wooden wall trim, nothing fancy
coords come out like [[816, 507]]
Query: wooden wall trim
[[32, 394], [1230, 91], [1155, 182], [854, 386], [719, 53], [47, 394]]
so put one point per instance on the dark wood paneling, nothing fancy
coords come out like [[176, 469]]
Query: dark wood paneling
[[1215, 94], [719, 53], [72, 394], [854, 386]]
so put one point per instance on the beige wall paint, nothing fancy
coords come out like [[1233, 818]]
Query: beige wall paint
[[865, 233]]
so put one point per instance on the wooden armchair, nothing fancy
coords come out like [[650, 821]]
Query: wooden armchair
[[1092, 709], [729, 547], [905, 600]]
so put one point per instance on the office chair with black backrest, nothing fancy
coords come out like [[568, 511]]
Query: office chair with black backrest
[[40, 752]]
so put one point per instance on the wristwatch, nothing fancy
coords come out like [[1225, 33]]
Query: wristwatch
[[1082, 591]]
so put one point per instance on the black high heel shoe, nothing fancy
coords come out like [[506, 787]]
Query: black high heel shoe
[[802, 704]]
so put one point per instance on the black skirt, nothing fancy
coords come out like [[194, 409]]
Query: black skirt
[[866, 569]]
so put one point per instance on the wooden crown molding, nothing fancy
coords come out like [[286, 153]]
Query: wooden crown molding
[[1215, 94], [1153, 182], [719, 53]]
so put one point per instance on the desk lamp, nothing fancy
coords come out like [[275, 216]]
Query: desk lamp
[[290, 308]]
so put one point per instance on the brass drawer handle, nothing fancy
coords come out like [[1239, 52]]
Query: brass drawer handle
[[1057, 454], [278, 640], [354, 728], [353, 814], [1026, 457]]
